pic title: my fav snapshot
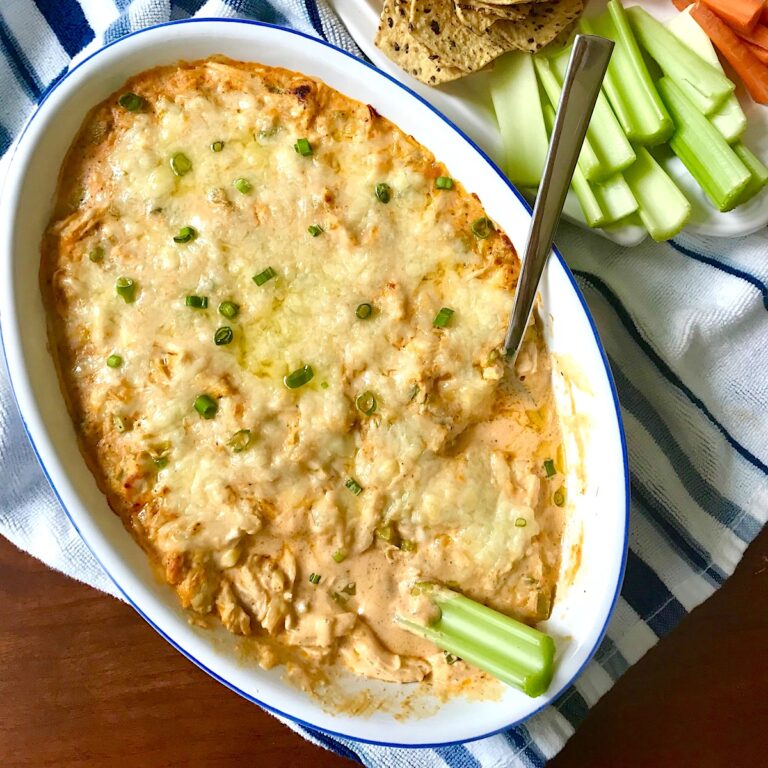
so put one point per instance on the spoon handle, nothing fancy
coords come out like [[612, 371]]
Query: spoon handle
[[583, 79]]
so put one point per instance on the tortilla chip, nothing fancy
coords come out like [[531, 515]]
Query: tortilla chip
[[435, 24], [545, 22], [395, 39], [480, 17]]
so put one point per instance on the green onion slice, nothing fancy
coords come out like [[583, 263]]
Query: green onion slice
[[241, 440], [350, 589], [265, 276], [196, 302], [315, 230], [217, 146], [450, 658], [114, 361], [132, 102], [303, 147], [126, 288], [161, 462], [383, 192], [559, 497], [521, 522], [443, 317], [407, 545], [186, 235], [549, 467], [366, 403], [242, 185], [299, 377], [444, 182], [223, 336], [181, 164], [314, 578], [364, 311], [386, 533], [482, 227], [96, 254], [339, 556], [354, 486], [206, 406], [229, 309]]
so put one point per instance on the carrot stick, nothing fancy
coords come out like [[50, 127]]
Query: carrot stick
[[758, 36], [760, 53], [750, 69], [739, 14], [681, 5]]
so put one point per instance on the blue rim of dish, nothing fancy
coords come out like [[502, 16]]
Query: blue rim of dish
[[585, 308]]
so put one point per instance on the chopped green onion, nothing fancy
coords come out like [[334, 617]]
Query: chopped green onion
[[299, 377], [196, 302], [415, 391], [366, 403], [383, 192], [223, 336], [350, 589], [703, 150], [126, 288], [265, 276], [444, 182], [364, 311], [241, 440], [559, 497], [206, 406], [114, 361], [443, 317], [339, 556], [132, 102], [96, 254], [161, 462], [407, 545], [315, 230], [186, 235], [314, 578], [450, 658], [482, 227], [181, 164], [354, 486], [303, 147], [242, 185], [505, 648], [386, 533], [323, 385], [521, 522], [229, 309], [217, 146], [549, 467]]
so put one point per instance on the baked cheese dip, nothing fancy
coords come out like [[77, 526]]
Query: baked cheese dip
[[278, 322]]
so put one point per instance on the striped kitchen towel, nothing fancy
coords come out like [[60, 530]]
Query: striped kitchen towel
[[685, 326]]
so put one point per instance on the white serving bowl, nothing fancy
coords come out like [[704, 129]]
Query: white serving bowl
[[598, 520]]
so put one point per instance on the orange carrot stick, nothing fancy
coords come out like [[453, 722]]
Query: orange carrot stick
[[758, 36], [681, 5], [739, 14], [750, 69], [760, 53]]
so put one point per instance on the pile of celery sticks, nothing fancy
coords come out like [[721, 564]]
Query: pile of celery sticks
[[664, 91]]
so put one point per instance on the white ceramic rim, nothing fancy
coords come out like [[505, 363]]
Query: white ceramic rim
[[10, 329]]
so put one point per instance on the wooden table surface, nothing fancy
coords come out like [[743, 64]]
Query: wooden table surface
[[85, 682]]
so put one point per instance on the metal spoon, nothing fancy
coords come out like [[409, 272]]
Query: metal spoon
[[586, 69]]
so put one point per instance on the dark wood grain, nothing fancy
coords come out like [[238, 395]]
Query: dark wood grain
[[85, 682]]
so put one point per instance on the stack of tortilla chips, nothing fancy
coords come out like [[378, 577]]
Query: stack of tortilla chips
[[441, 40]]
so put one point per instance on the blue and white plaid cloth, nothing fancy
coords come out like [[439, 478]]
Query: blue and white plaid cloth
[[685, 326]]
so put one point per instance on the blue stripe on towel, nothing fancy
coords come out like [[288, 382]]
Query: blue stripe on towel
[[457, 756], [67, 20], [314, 17], [723, 267], [664, 369], [572, 707], [19, 63], [611, 658]]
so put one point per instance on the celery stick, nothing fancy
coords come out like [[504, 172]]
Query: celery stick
[[704, 152], [729, 118], [663, 208], [758, 173], [605, 135], [614, 197], [588, 161], [515, 95], [593, 213], [507, 649], [704, 85], [627, 83]]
